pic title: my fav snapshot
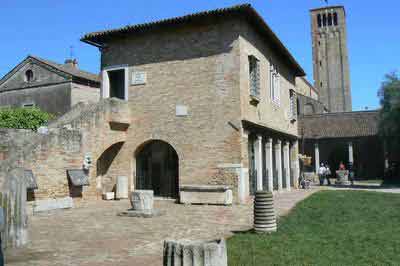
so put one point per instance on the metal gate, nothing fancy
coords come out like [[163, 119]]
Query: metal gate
[[157, 169]]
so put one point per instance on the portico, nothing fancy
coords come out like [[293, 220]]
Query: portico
[[273, 159]]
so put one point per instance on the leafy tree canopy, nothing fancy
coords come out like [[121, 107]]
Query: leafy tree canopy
[[23, 118], [389, 94]]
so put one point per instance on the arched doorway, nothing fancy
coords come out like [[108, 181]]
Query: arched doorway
[[157, 168]]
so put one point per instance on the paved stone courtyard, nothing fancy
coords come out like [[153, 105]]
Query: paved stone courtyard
[[94, 234]]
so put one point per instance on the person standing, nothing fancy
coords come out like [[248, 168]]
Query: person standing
[[321, 174], [328, 174]]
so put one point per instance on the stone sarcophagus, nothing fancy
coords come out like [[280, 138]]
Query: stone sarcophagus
[[195, 253], [206, 194]]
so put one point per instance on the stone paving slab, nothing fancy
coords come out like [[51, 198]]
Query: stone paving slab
[[93, 235]]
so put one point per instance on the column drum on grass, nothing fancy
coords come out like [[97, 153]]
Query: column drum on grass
[[264, 212]]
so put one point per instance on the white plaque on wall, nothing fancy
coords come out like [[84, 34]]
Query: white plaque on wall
[[139, 78]]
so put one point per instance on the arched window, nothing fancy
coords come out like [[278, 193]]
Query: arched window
[[335, 19], [329, 19], [28, 75], [324, 20], [319, 20]]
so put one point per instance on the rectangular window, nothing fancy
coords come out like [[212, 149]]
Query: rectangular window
[[115, 82], [254, 76], [275, 93]]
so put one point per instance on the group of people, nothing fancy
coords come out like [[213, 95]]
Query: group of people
[[324, 172]]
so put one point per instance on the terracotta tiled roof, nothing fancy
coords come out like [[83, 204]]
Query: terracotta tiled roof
[[339, 125], [75, 72], [245, 11]]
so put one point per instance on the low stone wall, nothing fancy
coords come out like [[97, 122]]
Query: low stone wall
[[84, 131]]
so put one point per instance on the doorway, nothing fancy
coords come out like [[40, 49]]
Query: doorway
[[157, 169]]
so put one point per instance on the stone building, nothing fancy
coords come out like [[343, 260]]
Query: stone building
[[201, 101], [308, 98], [212, 101], [329, 131], [348, 137], [330, 57], [52, 87]]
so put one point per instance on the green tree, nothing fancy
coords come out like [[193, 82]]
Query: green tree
[[23, 118], [389, 94]]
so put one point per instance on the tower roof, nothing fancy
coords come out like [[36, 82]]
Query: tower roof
[[328, 7]]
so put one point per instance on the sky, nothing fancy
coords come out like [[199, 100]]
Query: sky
[[49, 28]]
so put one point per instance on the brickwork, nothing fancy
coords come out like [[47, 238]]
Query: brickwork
[[201, 74], [330, 58], [303, 87], [213, 61], [83, 93], [50, 155], [201, 66]]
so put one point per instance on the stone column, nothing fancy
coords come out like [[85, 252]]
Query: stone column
[[351, 158], [316, 155], [294, 159], [385, 156], [258, 161], [286, 164], [269, 164], [278, 158]]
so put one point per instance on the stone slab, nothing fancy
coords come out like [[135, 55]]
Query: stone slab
[[122, 190], [141, 214], [52, 204], [109, 196], [218, 195]]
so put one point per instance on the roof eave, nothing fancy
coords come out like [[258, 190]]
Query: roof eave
[[97, 39]]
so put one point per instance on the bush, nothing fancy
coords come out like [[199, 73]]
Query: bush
[[23, 118]]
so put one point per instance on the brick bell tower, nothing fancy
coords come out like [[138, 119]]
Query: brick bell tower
[[330, 57]]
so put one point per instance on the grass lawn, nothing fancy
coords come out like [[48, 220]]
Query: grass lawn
[[328, 228]]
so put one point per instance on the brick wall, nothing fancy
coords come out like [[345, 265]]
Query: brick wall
[[192, 66]]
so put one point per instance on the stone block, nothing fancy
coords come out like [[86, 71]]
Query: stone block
[[122, 189], [52, 204], [195, 253], [206, 194], [142, 200], [109, 196]]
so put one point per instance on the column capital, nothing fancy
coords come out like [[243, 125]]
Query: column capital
[[268, 143], [259, 136], [316, 144], [287, 143], [278, 142]]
